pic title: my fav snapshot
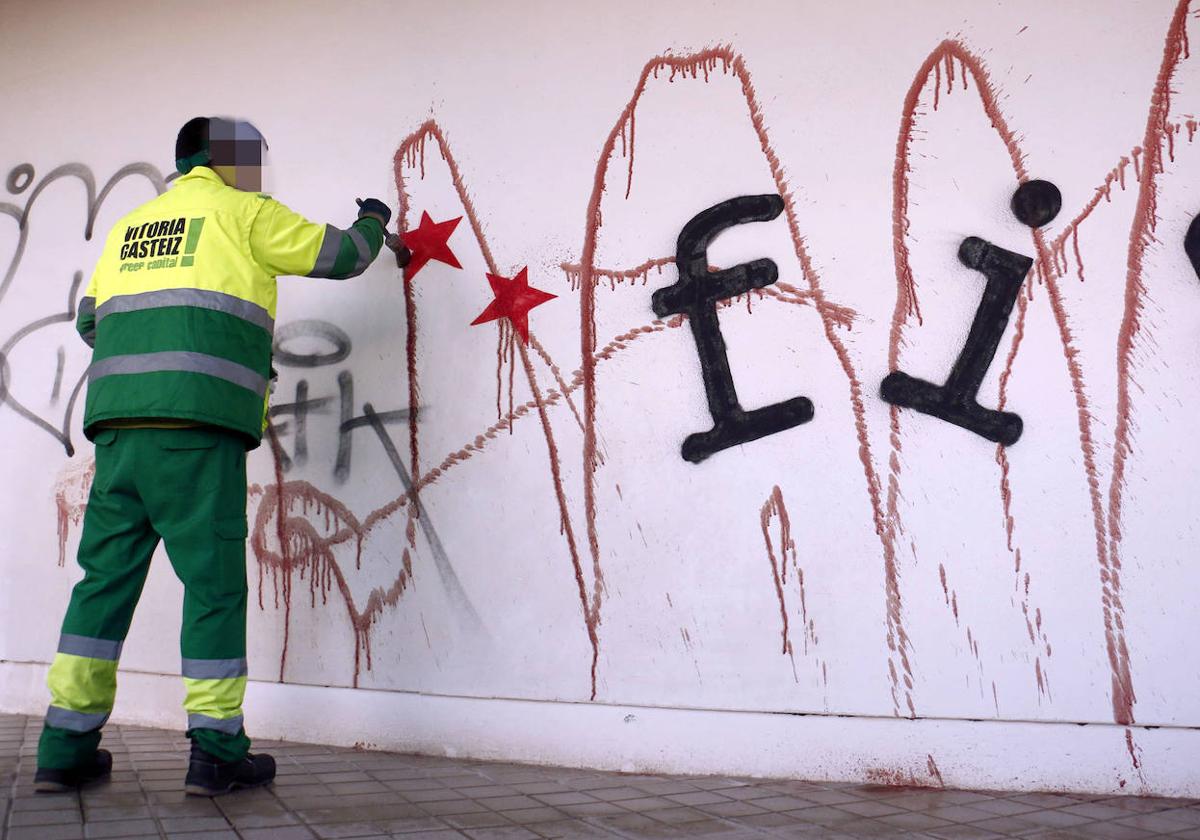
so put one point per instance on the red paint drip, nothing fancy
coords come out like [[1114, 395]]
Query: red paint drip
[[1140, 236]]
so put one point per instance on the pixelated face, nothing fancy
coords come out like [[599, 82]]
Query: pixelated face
[[238, 153]]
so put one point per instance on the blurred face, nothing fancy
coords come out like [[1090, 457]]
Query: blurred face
[[238, 155]]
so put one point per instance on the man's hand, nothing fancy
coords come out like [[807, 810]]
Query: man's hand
[[374, 208]]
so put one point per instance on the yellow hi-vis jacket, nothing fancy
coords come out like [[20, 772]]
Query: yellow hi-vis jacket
[[180, 310]]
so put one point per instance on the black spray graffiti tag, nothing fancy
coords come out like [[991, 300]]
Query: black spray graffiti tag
[[21, 180], [696, 294], [1035, 203]]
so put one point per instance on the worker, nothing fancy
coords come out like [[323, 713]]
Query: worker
[[180, 312]]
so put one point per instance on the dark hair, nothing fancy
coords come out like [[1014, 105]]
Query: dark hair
[[191, 146]]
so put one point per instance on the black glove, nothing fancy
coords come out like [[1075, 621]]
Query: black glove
[[374, 207], [403, 255]]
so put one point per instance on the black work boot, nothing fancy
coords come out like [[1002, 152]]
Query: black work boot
[[210, 776], [53, 780]]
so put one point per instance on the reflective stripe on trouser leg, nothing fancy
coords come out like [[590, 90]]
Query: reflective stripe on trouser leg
[[82, 688], [82, 691], [215, 690]]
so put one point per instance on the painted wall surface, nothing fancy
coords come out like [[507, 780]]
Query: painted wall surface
[[521, 525]]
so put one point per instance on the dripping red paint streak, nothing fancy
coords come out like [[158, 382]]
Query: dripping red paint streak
[[772, 508], [693, 66], [1140, 236]]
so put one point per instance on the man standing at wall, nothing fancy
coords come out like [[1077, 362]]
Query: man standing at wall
[[180, 312]]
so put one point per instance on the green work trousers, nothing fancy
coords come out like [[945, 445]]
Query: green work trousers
[[186, 487]]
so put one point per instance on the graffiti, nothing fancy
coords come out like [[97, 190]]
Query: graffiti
[[1035, 203], [19, 181], [696, 295]]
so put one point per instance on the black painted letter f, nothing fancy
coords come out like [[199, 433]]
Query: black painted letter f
[[695, 295]]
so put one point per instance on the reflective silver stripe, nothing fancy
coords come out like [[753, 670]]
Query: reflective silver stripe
[[89, 647], [214, 669], [199, 298], [75, 721], [87, 306], [364, 251], [180, 360], [230, 726], [89, 338], [327, 256]]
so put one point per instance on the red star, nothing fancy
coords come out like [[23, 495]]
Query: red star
[[513, 301], [428, 242]]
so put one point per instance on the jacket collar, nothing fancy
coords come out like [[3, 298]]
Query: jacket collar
[[200, 173]]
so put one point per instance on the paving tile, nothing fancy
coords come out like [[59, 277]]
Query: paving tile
[[58, 816], [1056, 819], [439, 794], [730, 809], [617, 794], [294, 832], [1160, 823], [452, 807], [513, 832], [647, 803], [485, 819], [242, 821], [46, 802], [593, 809], [403, 825], [348, 829], [46, 832], [873, 808], [529, 816], [697, 798], [1005, 807], [963, 832], [181, 825], [1116, 832], [1044, 800], [665, 787], [571, 798], [823, 815], [867, 828], [1187, 816], [121, 828], [573, 829], [534, 788], [771, 819], [828, 797], [509, 803], [1009, 826], [956, 813]]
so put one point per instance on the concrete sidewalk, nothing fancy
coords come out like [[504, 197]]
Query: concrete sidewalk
[[331, 792]]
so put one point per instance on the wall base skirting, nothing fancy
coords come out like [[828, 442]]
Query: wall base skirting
[[961, 754]]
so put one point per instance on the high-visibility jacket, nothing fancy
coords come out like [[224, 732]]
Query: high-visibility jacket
[[180, 310]]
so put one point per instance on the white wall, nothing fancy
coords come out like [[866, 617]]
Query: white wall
[[998, 596]]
